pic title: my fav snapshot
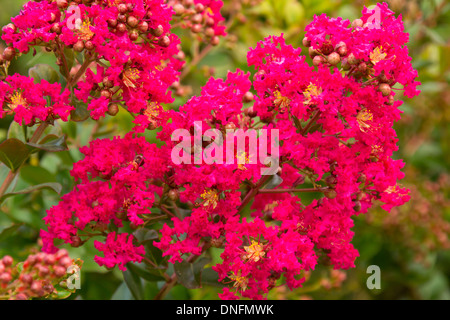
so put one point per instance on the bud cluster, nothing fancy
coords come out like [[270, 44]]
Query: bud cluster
[[36, 277]]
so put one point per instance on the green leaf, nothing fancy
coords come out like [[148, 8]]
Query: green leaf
[[51, 143], [9, 231], [211, 278], [134, 284], [61, 293], [36, 175], [273, 183], [80, 113], [17, 131], [52, 185], [122, 293], [43, 72], [13, 153], [190, 274], [143, 235], [149, 275]]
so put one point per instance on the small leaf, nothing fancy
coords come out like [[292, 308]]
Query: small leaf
[[43, 72], [51, 143], [80, 113], [149, 275], [190, 274], [134, 284], [17, 131], [211, 278], [13, 153], [9, 231], [52, 185], [143, 235]]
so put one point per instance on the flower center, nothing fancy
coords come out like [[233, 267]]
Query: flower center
[[254, 252], [84, 32], [130, 77], [17, 100], [311, 91]]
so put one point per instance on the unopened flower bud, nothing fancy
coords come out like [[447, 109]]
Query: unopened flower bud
[[215, 41], [122, 18], [362, 67], [248, 97], [132, 21], [199, 7], [318, 60], [342, 50], [362, 178], [134, 35], [78, 46], [196, 28], [7, 261], [391, 100], [357, 23], [89, 45], [143, 26], [312, 52], [76, 241], [385, 89], [334, 58], [5, 277], [121, 27], [327, 48], [49, 259], [352, 59], [158, 31], [179, 9], [330, 180], [164, 41], [65, 262], [230, 126], [106, 93], [174, 194], [306, 42], [9, 53], [62, 4], [112, 23], [122, 8], [250, 112], [113, 109]]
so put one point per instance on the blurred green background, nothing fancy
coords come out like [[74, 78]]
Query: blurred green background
[[410, 245]]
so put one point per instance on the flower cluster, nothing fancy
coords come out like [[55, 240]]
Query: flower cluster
[[28, 101], [336, 141], [126, 47], [36, 277], [202, 17]]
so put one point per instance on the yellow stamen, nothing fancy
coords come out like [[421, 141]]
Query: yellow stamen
[[211, 198], [239, 281], [311, 91], [84, 32], [17, 100], [281, 101], [254, 252], [363, 118], [152, 110], [130, 77], [377, 55]]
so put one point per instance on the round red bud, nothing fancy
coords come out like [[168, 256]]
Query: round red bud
[[62, 4], [330, 193], [122, 18], [385, 89], [78, 46], [134, 35], [7, 261], [357, 23], [9, 53], [174, 194], [362, 67], [306, 42], [318, 60], [112, 23], [122, 8], [179, 9], [113, 109], [334, 58], [121, 27], [215, 40], [327, 48], [164, 41], [352, 59], [196, 28], [199, 7], [158, 31], [5, 277], [106, 93], [143, 26], [132, 21], [248, 97], [89, 45]]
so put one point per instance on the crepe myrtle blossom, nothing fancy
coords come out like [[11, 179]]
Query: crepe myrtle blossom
[[334, 124]]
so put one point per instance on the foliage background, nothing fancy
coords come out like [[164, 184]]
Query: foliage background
[[410, 245]]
